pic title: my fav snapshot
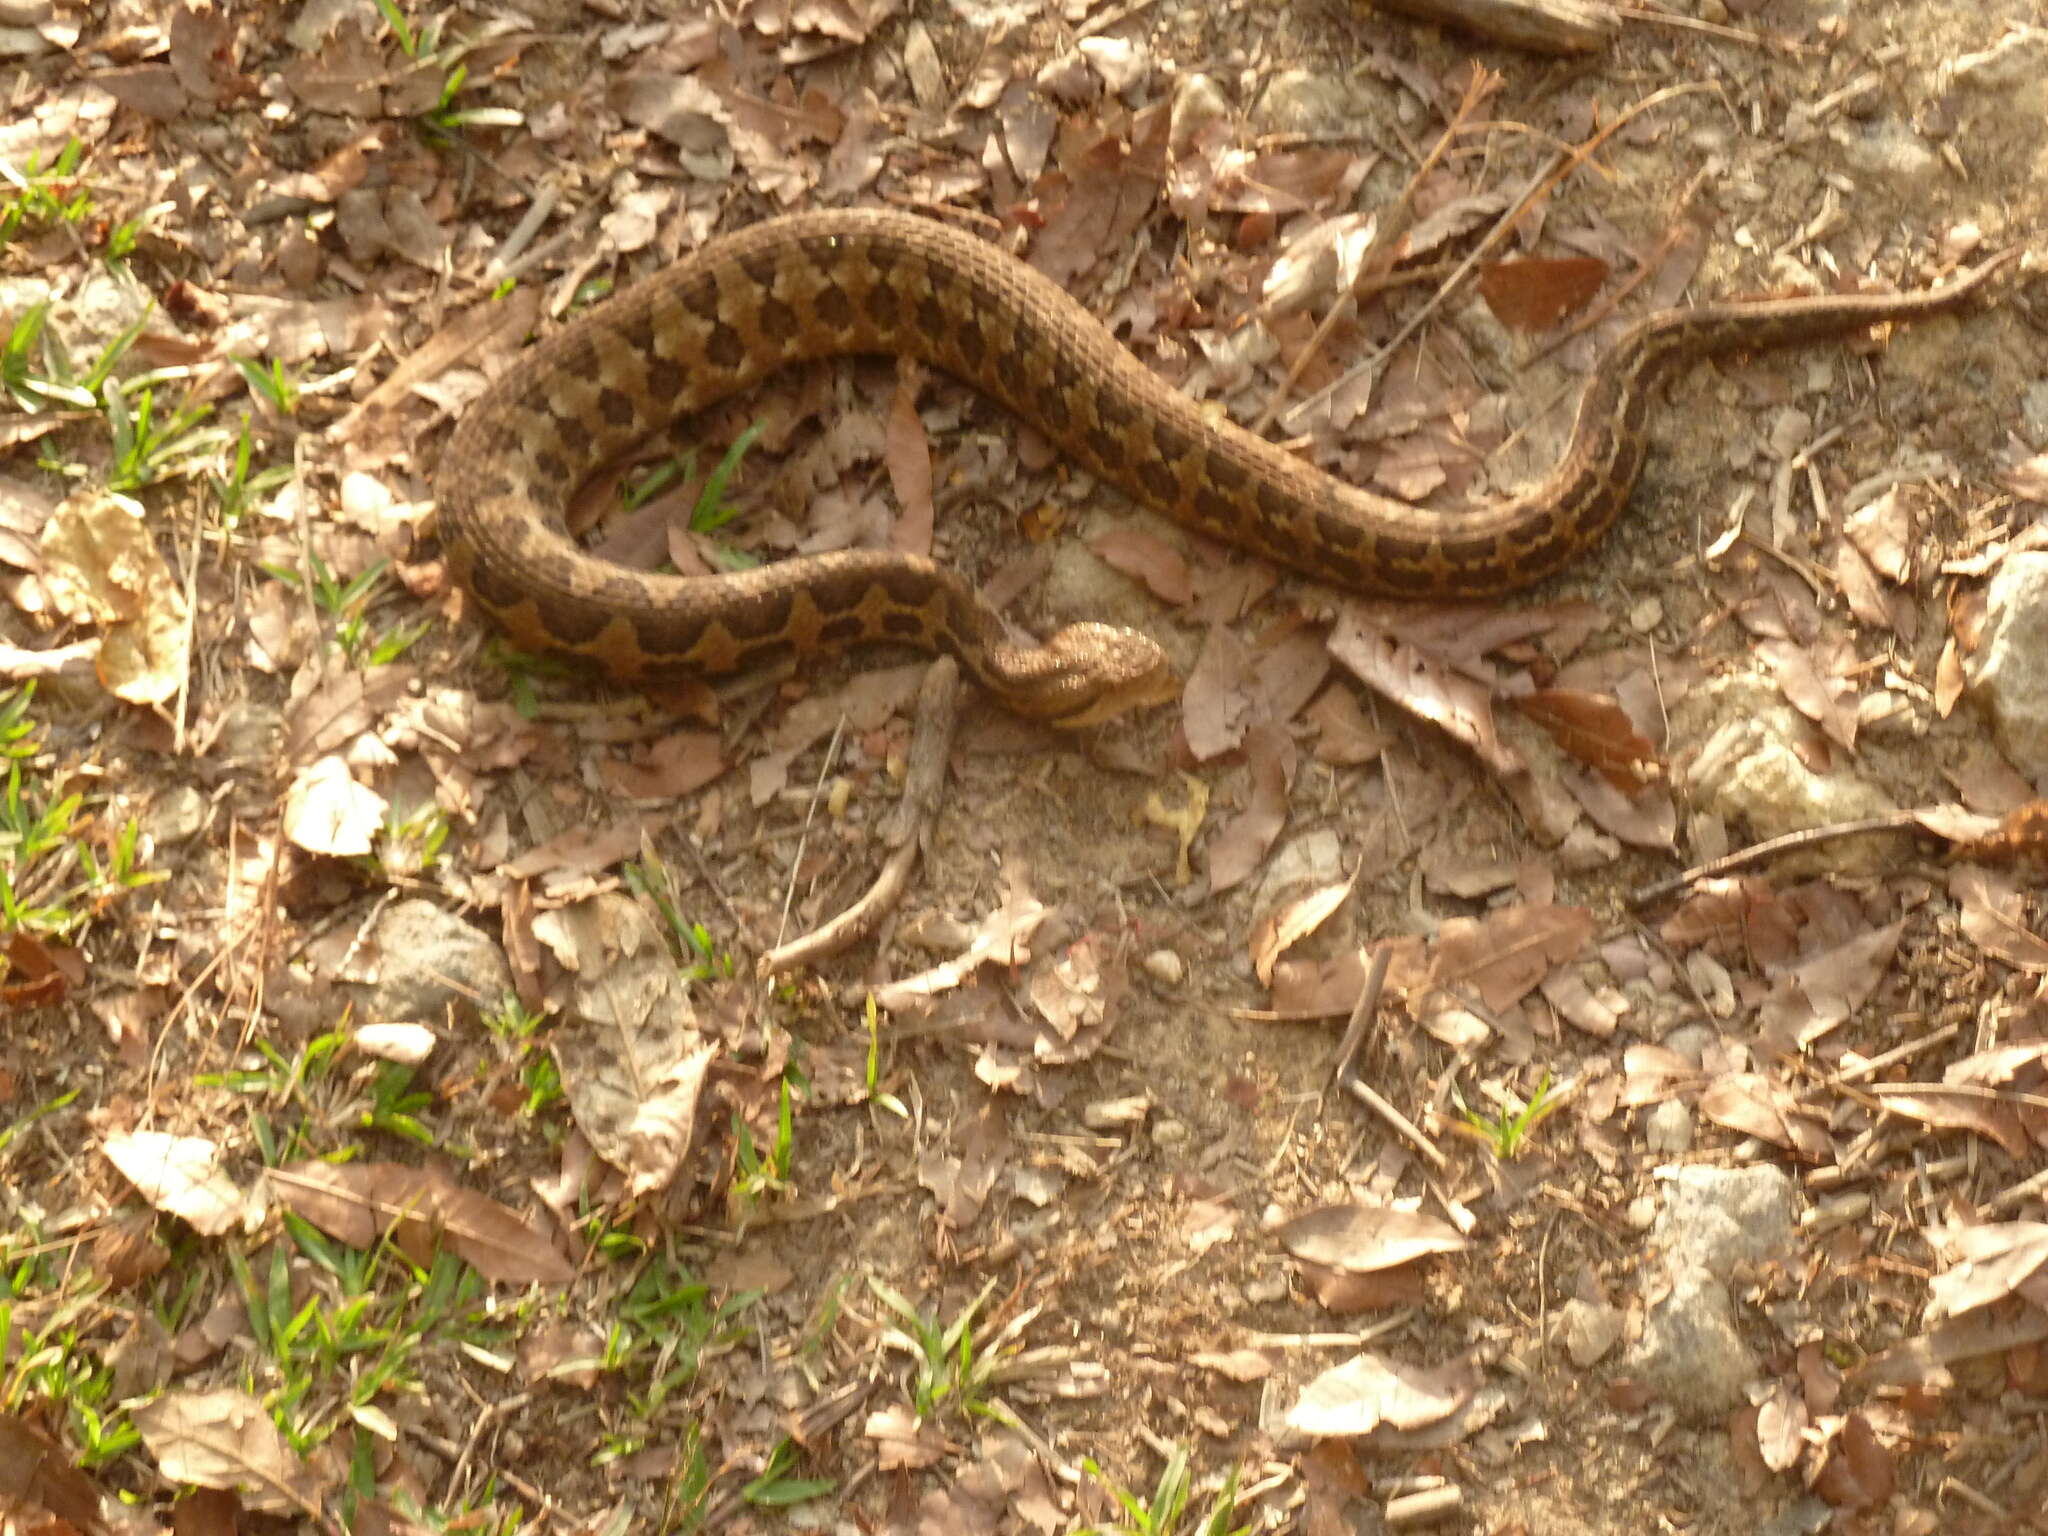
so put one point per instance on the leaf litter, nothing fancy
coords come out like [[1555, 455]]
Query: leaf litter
[[1328, 786]]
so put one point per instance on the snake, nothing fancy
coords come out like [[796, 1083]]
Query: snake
[[827, 283]]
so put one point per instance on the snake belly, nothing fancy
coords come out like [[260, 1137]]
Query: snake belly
[[867, 281]]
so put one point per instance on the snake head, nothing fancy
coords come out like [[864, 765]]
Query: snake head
[[1089, 673]]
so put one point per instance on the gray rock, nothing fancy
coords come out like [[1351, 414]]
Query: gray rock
[[1690, 1352], [1717, 1218], [419, 960], [1667, 1129], [1588, 1330], [2007, 678]]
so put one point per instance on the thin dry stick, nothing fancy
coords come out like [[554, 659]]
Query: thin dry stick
[[810, 815], [1396, 222], [1897, 821], [1565, 162], [931, 743], [1346, 1074]]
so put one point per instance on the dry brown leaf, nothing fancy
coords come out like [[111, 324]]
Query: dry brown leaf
[[1002, 938], [1818, 698], [1858, 1472], [1756, 1106], [675, 764], [1533, 293], [1280, 930], [357, 1203], [1994, 918], [1216, 705], [1343, 735], [1507, 953], [181, 1175], [1598, 732], [37, 1477], [1958, 1110], [1236, 1364], [225, 1439], [1241, 842], [1360, 1239], [1822, 990], [908, 454], [1424, 685], [1149, 558], [1987, 1264]]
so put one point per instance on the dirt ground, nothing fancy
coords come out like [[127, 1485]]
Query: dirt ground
[[1087, 1140]]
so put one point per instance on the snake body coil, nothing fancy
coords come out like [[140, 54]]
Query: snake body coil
[[868, 281]]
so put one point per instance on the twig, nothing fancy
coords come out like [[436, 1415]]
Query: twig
[[1346, 1074], [906, 829], [1897, 821]]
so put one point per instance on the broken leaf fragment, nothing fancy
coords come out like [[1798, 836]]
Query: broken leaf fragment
[[101, 567]]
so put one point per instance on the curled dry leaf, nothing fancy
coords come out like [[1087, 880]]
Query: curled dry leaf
[[181, 1175], [1986, 1264], [1359, 1239], [1756, 1106], [327, 812], [225, 1439], [1363, 1393], [101, 566], [1281, 930], [1963, 1108], [1994, 918], [357, 1203]]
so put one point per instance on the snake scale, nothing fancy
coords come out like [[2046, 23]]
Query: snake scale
[[821, 284]]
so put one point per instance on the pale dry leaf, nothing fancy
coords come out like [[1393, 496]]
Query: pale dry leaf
[[1361, 1239], [1959, 1109], [628, 1045], [1508, 953], [1002, 938], [327, 812], [1280, 930], [1363, 1393], [225, 1439], [902, 1440], [101, 566], [1149, 558], [1986, 1264], [1184, 821], [1780, 1427], [1241, 1365], [665, 1124], [1994, 918], [181, 1175]]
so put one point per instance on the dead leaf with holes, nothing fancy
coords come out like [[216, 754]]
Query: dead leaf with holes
[[1002, 938], [633, 1060], [101, 567], [226, 1439], [181, 1175], [422, 1210]]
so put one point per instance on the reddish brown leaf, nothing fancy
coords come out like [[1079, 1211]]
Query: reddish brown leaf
[[1149, 558], [1858, 1473], [1598, 732], [1536, 292]]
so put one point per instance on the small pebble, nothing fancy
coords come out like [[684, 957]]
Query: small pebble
[[1165, 967]]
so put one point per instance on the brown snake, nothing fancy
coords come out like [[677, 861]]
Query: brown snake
[[869, 281]]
